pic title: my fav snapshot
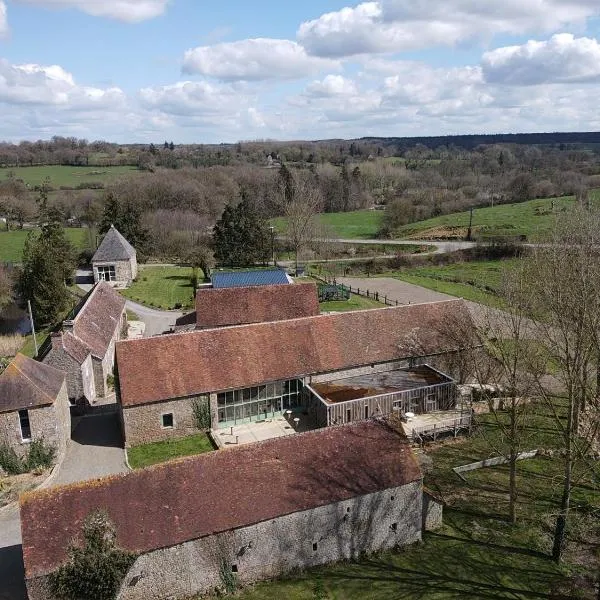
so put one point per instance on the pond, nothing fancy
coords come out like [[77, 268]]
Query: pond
[[14, 319]]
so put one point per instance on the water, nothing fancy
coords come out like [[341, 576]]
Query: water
[[14, 319]]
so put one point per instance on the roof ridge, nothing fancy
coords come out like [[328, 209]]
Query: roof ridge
[[35, 385]]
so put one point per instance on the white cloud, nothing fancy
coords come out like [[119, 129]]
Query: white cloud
[[332, 85], [402, 25], [3, 20], [561, 59], [254, 59], [130, 11]]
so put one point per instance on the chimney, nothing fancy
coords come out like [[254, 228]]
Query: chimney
[[67, 326]]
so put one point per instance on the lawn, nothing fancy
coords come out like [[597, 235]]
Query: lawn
[[477, 553], [532, 219], [157, 452], [358, 224], [162, 287], [354, 303], [12, 242], [478, 281], [66, 175]]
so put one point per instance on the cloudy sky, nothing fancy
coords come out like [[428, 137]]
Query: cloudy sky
[[206, 71]]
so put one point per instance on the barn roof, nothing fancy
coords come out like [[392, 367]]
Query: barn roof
[[222, 307], [113, 247], [27, 383], [228, 279], [210, 360], [183, 500]]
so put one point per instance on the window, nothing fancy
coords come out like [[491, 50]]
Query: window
[[167, 420], [107, 273], [25, 425], [348, 415], [394, 527], [234, 569], [315, 546], [366, 412]]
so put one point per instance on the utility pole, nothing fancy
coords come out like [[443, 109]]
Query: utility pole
[[273, 244], [32, 326], [470, 224]]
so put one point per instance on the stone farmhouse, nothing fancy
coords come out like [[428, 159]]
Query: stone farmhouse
[[227, 306], [33, 405], [85, 346], [256, 511], [258, 371], [115, 260]]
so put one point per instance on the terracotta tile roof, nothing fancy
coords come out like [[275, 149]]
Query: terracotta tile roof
[[27, 383], [221, 307], [179, 365], [175, 502], [113, 247], [94, 325]]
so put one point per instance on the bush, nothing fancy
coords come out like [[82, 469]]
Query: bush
[[201, 412], [95, 570], [40, 455], [9, 461], [110, 381]]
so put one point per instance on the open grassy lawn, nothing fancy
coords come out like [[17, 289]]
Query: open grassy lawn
[[358, 224], [66, 175], [163, 287], [157, 452], [531, 219], [478, 553], [355, 302], [12, 242], [477, 281]]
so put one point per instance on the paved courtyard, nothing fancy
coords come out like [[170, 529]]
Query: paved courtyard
[[258, 431]]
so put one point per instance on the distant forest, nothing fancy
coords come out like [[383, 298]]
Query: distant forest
[[181, 190]]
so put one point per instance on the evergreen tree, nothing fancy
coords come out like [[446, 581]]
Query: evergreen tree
[[288, 183], [127, 218], [241, 238]]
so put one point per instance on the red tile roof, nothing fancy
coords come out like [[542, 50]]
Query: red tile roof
[[179, 365], [220, 307], [27, 383], [93, 327], [175, 502]]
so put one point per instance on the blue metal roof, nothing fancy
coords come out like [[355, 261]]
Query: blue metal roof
[[248, 278]]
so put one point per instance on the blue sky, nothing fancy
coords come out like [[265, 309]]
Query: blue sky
[[199, 71]]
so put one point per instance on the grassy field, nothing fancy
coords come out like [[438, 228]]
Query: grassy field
[[354, 303], [478, 281], [477, 553], [157, 452], [359, 224], [65, 175], [12, 242], [162, 287]]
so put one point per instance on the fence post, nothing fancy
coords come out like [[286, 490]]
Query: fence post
[[385, 300], [396, 302], [377, 296], [367, 293]]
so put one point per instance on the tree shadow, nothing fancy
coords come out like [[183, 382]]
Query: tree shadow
[[12, 573]]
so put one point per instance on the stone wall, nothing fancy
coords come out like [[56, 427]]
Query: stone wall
[[433, 509], [125, 271], [52, 423], [80, 377]]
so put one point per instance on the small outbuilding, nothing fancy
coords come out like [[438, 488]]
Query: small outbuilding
[[33, 406], [115, 261]]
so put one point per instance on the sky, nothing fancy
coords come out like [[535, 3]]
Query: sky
[[201, 71]]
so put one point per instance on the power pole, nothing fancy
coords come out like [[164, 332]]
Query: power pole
[[470, 224], [32, 326]]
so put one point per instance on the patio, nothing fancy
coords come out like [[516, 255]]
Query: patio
[[432, 424], [257, 431]]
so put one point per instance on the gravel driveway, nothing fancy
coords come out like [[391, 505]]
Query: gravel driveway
[[394, 289]]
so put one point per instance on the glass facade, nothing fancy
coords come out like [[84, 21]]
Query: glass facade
[[257, 403]]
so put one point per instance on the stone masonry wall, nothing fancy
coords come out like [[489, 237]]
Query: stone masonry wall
[[59, 359], [338, 531], [125, 271], [52, 423], [143, 424]]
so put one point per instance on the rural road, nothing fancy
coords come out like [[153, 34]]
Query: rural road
[[440, 247]]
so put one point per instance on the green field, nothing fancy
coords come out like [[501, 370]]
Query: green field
[[157, 452], [359, 224], [478, 281], [12, 242], [66, 175], [162, 287], [477, 553], [354, 303]]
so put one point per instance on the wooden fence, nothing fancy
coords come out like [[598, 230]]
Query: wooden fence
[[365, 292]]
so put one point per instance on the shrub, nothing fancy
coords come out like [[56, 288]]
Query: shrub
[[9, 461], [40, 455], [95, 569], [110, 381], [201, 412], [10, 344]]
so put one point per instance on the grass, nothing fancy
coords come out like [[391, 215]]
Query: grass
[[477, 280], [66, 175], [162, 287], [531, 219], [477, 553], [354, 303], [157, 452], [12, 242]]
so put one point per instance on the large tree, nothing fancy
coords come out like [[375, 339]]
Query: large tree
[[126, 216], [241, 237]]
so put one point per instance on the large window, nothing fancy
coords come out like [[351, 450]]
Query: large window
[[25, 425], [260, 402], [107, 273]]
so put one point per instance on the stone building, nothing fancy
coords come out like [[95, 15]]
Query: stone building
[[254, 372], [256, 511], [115, 260], [33, 405], [85, 346]]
